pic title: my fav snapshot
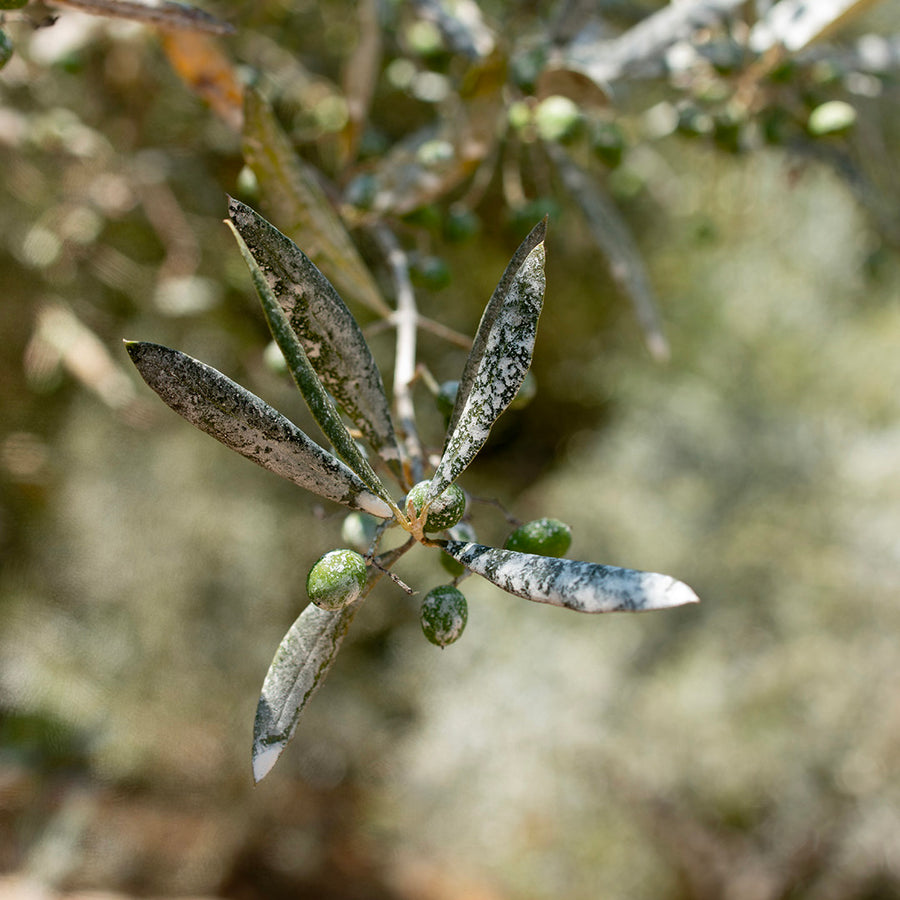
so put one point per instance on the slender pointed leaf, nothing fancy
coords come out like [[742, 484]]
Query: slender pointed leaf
[[301, 662], [330, 336], [499, 359], [305, 377], [581, 586], [247, 424], [612, 236], [295, 198]]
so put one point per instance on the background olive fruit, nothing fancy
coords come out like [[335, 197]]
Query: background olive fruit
[[546, 537], [446, 510], [444, 614], [337, 579], [445, 398]]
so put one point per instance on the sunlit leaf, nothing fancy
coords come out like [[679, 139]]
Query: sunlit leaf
[[301, 662], [330, 337], [296, 200], [499, 359], [612, 236], [247, 424], [581, 586]]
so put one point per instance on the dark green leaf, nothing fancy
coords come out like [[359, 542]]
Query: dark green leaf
[[247, 424], [328, 333]]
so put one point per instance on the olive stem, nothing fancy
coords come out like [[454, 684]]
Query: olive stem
[[406, 318]]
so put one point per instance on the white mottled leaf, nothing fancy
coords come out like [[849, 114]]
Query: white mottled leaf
[[306, 379], [301, 662], [499, 359], [328, 333], [247, 424], [581, 586]]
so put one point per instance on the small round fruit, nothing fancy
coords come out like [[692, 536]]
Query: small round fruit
[[445, 398], [545, 537], [444, 615], [451, 566], [6, 48], [337, 579], [444, 512], [358, 530]]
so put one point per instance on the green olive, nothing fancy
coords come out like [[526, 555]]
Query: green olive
[[444, 512], [444, 615], [445, 398], [545, 537], [337, 579], [6, 48]]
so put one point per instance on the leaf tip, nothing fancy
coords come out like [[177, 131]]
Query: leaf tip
[[264, 758]]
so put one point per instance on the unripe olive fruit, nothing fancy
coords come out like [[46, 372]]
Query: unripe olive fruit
[[358, 530], [6, 48], [444, 614], [545, 537], [337, 579], [444, 512], [445, 398]]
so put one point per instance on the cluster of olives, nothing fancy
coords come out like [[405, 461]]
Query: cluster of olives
[[339, 577]]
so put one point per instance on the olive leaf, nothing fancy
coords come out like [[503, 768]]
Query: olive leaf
[[499, 359], [317, 398], [247, 424], [301, 663], [580, 586], [296, 199], [330, 336]]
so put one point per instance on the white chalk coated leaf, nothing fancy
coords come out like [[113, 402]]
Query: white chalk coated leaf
[[245, 423], [301, 662], [499, 360], [582, 586], [330, 336]]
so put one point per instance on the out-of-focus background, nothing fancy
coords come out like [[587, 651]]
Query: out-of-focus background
[[718, 394]]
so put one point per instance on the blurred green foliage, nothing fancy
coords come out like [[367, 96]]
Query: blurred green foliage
[[746, 748]]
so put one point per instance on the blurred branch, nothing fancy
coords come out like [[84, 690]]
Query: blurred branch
[[176, 16]]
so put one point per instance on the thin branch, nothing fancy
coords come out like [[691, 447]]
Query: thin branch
[[165, 15], [406, 319]]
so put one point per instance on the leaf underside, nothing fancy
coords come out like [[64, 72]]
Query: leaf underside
[[326, 329], [581, 586], [247, 424], [499, 359], [301, 662]]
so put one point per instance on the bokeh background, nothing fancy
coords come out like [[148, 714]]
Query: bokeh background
[[746, 748]]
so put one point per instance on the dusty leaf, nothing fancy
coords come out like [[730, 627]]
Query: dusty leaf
[[301, 662], [328, 333], [582, 586], [499, 359], [247, 424], [296, 200]]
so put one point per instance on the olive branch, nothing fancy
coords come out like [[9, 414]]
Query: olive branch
[[334, 369]]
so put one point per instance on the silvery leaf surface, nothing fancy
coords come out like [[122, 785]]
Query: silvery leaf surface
[[330, 336], [582, 586], [297, 201], [247, 424], [306, 379], [301, 662], [499, 359]]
